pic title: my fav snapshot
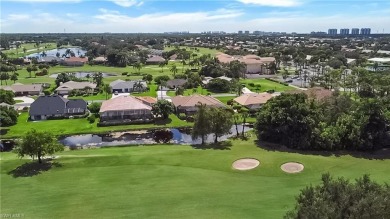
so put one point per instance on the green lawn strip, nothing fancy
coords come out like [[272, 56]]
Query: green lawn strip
[[171, 182], [202, 50], [265, 85], [80, 126]]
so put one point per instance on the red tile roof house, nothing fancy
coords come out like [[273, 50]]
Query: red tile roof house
[[74, 61], [125, 110], [24, 90], [253, 101], [188, 104]]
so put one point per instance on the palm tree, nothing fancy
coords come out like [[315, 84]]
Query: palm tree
[[14, 77], [138, 86], [24, 50], [107, 90], [161, 65], [184, 63], [173, 69], [137, 66]]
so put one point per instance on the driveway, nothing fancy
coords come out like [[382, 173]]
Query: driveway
[[162, 95], [27, 101], [120, 94]]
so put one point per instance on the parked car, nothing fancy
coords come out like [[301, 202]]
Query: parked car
[[289, 81]]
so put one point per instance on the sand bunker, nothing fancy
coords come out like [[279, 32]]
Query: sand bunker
[[292, 167], [245, 164]]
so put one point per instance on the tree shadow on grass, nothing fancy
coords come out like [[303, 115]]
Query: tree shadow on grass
[[33, 168], [224, 145], [382, 154], [162, 121]]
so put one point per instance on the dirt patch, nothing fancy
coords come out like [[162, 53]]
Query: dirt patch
[[292, 167], [245, 164]]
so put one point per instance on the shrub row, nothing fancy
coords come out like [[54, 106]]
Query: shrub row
[[280, 82]]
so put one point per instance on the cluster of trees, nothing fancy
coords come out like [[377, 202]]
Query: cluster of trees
[[335, 123], [37, 144], [8, 116], [7, 97], [211, 120], [339, 198], [162, 108]]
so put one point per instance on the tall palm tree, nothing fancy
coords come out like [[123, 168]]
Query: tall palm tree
[[184, 63], [161, 65], [138, 86], [173, 69], [107, 90], [137, 66]]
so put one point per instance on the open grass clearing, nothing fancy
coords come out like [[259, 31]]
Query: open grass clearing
[[170, 182]]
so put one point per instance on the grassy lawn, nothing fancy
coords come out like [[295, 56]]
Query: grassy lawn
[[170, 182], [99, 96], [225, 99], [202, 51], [19, 101], [265, 85], [188, 92], [78, 126]]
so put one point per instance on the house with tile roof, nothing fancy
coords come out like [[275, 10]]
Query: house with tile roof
[[69, 86], [254, 64], [122, 86], [124, 109], [24, 89], [188, 104], [253, 101]]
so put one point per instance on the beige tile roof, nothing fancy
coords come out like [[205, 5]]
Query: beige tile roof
[[149, 100], [123, 103], [190, 101], [71, 85], [253, 98], [26, 88]]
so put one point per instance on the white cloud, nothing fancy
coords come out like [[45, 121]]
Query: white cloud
[[127, 3], [15, 17], [272, 3]]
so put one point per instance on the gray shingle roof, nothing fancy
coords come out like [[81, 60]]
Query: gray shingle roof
[[49, 105]]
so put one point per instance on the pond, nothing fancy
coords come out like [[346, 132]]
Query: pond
[[84, 74], [171, 135], [77, 51]]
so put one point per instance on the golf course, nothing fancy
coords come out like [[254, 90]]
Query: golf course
[[169, 181]]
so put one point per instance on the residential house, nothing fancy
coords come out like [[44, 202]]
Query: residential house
[[206, 80], [154, 60], [188, 104], [55, 106], [67, 87], [253, 101], [24, 89], [48, 59], [124, 109], [74, 61], [175, 83], [254, 64], [100, 60], [122, 86]]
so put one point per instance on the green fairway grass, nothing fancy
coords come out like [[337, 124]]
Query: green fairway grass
[[79, 126], [202, 50], [265, 85], [170, 182]]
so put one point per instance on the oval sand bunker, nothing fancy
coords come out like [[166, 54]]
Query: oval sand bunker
[[246, 164], [292, 167]]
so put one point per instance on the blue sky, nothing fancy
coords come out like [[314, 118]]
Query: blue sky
[[132, 16]]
